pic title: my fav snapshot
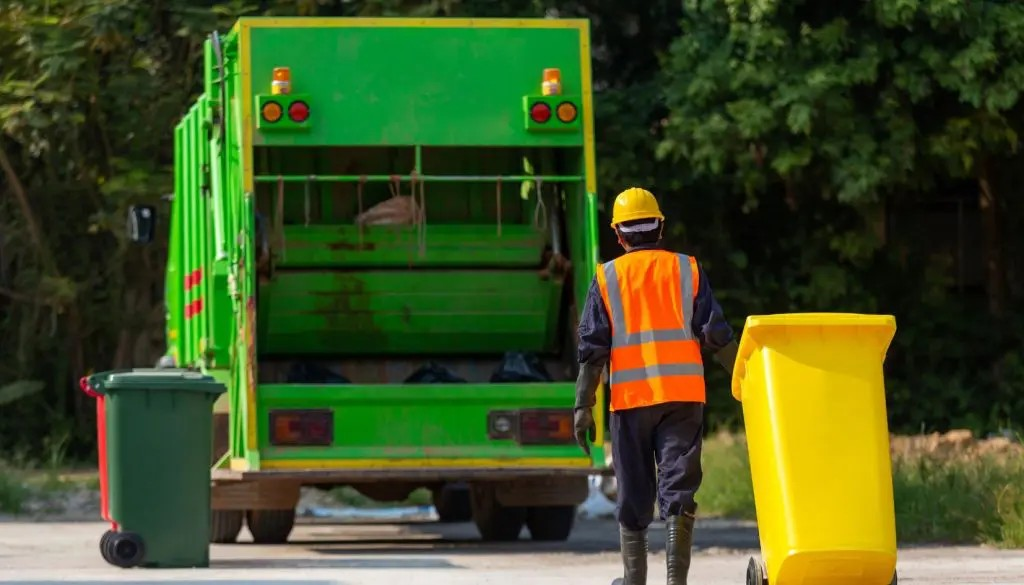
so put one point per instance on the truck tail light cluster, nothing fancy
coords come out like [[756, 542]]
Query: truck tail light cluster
[[298, 111], [547, 426], [302, 428]]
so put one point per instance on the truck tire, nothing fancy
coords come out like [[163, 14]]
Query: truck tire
[[452, 503], [551, 523], [496, 523], [225, 525], [270, 526]]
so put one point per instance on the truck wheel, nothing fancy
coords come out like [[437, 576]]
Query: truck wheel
[[496, 523], [551, 523], [452, 503], [270, 526], [225, 525]]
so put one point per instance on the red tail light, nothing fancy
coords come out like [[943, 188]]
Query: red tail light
[[292, 428], [540, 112], [298, 112], [545, 427]]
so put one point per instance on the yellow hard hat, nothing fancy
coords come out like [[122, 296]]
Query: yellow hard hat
[[635, 203]]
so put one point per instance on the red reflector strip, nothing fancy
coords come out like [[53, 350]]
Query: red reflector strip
[[313, 427], [193, 278], [194, 308], [540, 427]]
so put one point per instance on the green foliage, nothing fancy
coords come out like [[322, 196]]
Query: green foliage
[[819, 123], [978, 501], [12, 491]]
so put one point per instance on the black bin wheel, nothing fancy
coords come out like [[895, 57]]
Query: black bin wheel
[[103, 545], [894, 579], [124, 549], [755, 573]]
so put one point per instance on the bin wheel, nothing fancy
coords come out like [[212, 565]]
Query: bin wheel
[[103, 545], [124, 549], [755, 573], [225, 525], [894, 579], [270, 526]]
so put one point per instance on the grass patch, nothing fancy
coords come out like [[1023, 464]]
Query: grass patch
[[962, 501], [726, 489], [979, 500], [13, 492]]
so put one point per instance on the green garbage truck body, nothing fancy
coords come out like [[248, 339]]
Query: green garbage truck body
[[358, 198]]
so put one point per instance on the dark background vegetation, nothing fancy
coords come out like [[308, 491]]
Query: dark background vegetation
[[816, 156]]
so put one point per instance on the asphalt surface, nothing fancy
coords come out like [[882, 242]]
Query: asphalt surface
[[433, 554]]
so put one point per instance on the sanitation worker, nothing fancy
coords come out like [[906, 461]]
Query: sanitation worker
[[647, 316]]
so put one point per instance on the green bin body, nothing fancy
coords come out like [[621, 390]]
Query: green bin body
[[155, 448]]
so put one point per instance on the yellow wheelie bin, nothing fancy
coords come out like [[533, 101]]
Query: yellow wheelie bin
[[813, 397]]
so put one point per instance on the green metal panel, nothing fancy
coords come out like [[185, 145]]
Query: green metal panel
[[413, 421], [403, 312], [405, 86], [397, 246]]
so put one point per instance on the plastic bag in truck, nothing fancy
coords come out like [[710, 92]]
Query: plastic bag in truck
[[433, 373], [398, 210], [519, 366], [310, 373]]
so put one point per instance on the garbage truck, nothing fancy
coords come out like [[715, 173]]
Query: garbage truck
[[381, 235]]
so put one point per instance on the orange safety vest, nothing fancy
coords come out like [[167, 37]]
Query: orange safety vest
[[655, 357]]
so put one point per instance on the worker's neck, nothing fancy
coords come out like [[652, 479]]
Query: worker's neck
[[640, 247]]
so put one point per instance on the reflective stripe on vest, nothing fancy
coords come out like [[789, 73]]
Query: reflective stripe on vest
[[661, 363]]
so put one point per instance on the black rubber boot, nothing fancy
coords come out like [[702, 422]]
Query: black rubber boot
[[677, 548], [634, 557]]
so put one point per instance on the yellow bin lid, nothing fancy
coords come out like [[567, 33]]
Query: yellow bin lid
[[767, 323]]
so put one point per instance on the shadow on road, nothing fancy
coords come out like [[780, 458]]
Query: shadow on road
[[590, 537]]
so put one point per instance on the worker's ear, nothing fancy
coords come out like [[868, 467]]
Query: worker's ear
[[618, 236]]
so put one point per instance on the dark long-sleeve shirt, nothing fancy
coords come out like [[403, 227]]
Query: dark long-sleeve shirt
[[595, 329]]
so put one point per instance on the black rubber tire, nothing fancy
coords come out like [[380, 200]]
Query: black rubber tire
[[452, 503], [103, 546], [755, 573], [895, 580], [496, 523], [551, 523], [270, 526], [125, 550], [225, 525]]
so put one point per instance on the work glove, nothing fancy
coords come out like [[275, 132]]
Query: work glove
[[586, 396], [726, 356]]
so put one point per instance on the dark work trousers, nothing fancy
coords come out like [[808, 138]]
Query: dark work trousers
[[657, 455]]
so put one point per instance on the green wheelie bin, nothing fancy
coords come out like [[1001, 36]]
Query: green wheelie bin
[[153, 430]]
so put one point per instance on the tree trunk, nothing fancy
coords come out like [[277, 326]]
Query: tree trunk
[[995, 268]]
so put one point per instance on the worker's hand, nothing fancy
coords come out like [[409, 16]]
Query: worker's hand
[[583, 420], [726, 356]]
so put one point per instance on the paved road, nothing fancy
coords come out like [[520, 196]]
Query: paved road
[[432, 554]]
